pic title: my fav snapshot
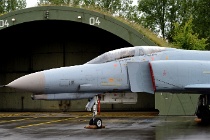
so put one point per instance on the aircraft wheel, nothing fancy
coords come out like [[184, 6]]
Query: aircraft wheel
[[98, 122], [91, 122]]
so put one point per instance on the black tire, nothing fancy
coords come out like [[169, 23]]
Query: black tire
[[91, 122], [98, 122]]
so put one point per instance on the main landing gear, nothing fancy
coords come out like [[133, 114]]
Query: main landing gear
[[94, 105], [203, 111]]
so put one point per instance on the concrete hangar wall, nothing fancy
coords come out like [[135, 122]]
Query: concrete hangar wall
[[45, 37]]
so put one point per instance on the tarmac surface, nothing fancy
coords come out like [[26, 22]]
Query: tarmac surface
[[118, 126]]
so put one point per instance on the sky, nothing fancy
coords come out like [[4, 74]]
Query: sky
[[32, 3]]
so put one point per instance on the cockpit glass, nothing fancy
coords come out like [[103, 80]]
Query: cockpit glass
[[124, 53]]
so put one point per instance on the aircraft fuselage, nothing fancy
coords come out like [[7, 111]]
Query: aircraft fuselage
[[114, 76]]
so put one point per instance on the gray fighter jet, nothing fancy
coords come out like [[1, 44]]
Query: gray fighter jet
[[124, 72]]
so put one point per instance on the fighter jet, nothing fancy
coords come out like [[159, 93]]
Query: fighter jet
[[125, 71]]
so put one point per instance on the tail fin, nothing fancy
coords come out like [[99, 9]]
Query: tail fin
[[2, 86]]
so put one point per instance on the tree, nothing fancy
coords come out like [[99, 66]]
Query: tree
[[160, 15], [185, 38], [54, 2], [202, 19], [11, 5], [88, 2], [153, 15], [127, 10], [109, 5]]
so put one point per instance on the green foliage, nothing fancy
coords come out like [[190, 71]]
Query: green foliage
[[160, 15], [109, 5], [11, 5], [54, 2], [153, 15], [88, 2], [186, 39], [202, 20], [127, 10]]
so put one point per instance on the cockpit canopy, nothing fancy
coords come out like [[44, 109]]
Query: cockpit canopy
[[126, 52]]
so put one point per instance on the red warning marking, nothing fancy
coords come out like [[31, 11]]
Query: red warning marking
[[153, 78], [99, 106], [164, 73]]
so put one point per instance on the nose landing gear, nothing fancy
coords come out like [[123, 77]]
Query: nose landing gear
[[93, 105]]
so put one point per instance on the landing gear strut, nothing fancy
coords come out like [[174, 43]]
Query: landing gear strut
[[203, 111], [93, 105]]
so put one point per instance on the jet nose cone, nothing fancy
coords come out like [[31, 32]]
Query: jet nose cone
[[32, 83]]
